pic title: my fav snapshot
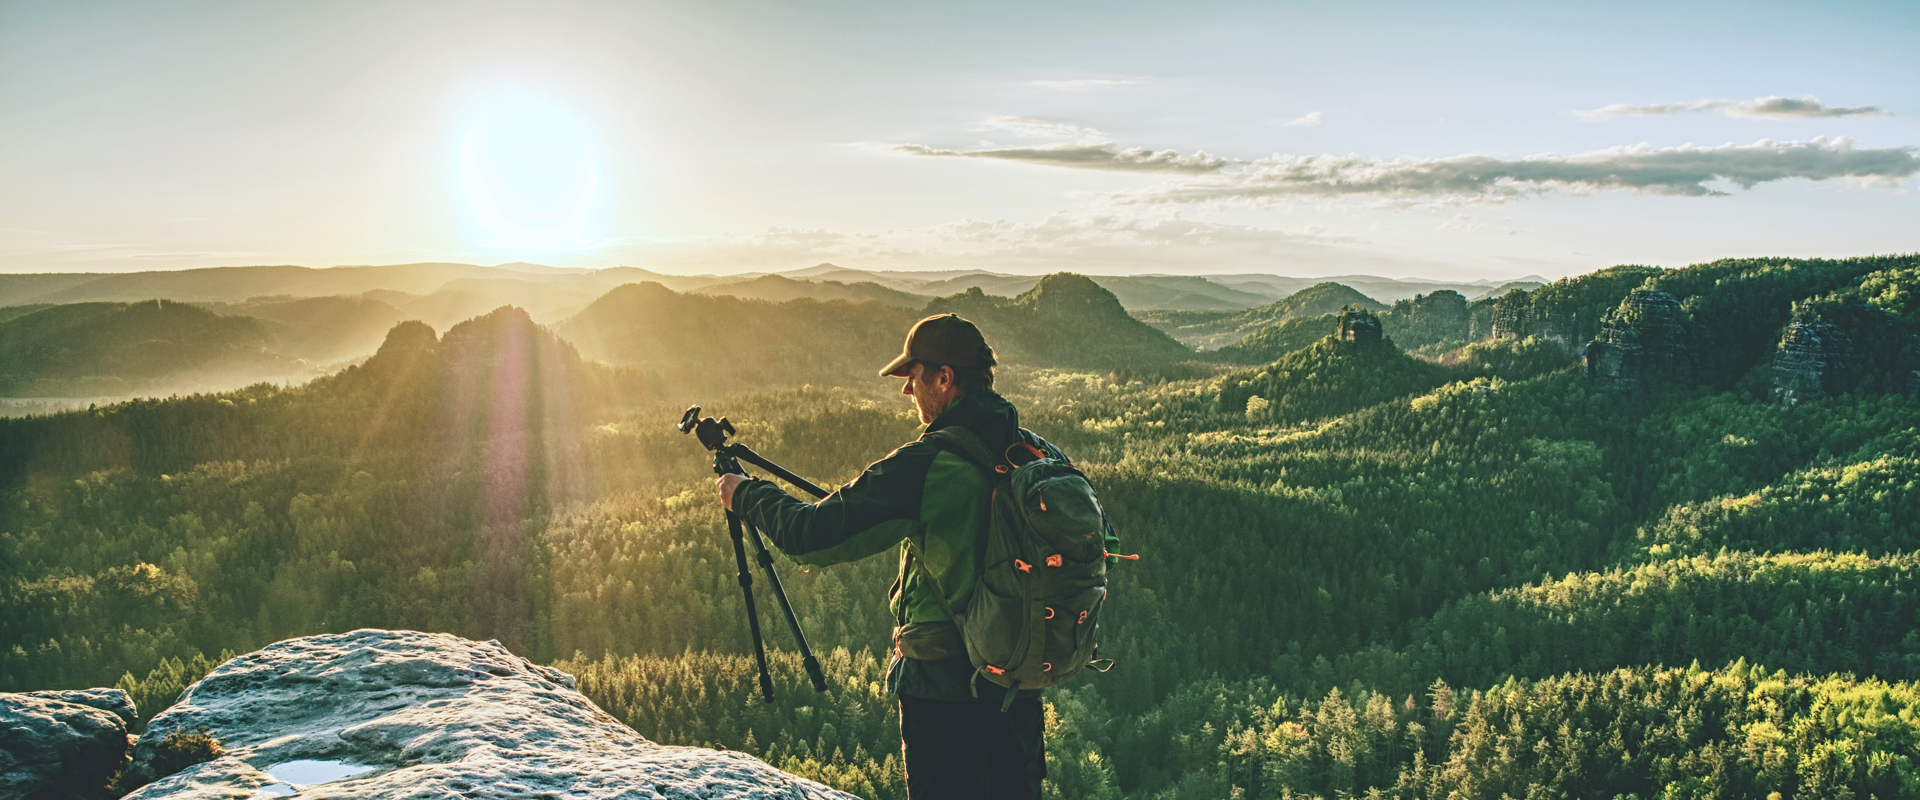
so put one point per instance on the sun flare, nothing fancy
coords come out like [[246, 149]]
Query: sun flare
[[530, 173]]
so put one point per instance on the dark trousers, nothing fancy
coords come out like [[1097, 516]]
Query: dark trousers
[[972, 751]]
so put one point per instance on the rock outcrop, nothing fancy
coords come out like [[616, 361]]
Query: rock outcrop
[[1811, 359], [1359, 325], [1642, 344], [1518, 315], [1838, 345], [1511, 315], [63, 744], [400, 714]]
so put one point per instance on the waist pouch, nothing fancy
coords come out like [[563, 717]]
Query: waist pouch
[[929, 641]]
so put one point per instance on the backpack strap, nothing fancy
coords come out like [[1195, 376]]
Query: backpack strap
[[913, 557], [965, 444]]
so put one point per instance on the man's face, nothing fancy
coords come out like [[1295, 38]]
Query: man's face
[[931, 391]]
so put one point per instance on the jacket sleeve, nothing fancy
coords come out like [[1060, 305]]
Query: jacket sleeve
[[867, 516]]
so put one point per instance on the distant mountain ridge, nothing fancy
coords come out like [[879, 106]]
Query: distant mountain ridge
[[779, 288], [1209, 330], [708, 338], [566, 290], [234, 284], [1065, 320]]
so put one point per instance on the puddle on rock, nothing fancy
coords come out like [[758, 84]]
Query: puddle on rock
[[293, 776]]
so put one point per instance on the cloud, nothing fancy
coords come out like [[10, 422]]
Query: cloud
[[1100, 156], [1314, 118], [1077, 84], [1684, 171], [1041, 129], [1808, 107]]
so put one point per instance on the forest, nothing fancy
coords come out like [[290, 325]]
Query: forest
[[1434, 548]]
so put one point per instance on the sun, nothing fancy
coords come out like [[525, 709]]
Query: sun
[[530, 172]]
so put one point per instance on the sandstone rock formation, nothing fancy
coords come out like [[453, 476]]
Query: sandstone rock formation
[[400, 714], [1359, 325], [1836, 345], [1643, 343], [1512, 315], [1811, 359], [62, 743], [1516, 315]]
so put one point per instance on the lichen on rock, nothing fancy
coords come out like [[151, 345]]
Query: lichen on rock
[[63, 743], [433, 715]]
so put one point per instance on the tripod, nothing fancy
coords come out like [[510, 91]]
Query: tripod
[[713, 434]]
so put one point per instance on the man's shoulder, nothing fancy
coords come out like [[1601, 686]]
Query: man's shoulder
[[1050, 448], [918, 449], [912, 456]]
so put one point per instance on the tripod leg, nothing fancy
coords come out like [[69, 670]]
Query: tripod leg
[[765, 557], [734, 524]]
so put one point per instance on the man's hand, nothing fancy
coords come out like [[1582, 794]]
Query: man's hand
[[726, 484]]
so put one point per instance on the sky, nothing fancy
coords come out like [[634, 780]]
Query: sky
[[1456, 141]]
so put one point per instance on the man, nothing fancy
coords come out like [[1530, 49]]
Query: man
[[957, 741]]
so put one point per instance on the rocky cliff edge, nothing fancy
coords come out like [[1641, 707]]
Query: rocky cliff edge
[[402, 714]]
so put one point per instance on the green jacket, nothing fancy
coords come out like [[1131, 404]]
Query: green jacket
[[918, 491]]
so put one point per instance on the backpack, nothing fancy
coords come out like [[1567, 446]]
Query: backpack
[[1035, 611]]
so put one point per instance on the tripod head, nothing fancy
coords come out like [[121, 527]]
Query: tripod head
[[711, 432], [727, 457]]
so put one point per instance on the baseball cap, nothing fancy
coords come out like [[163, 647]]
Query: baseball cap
[[941, 339]]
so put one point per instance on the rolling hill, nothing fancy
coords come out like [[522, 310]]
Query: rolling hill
[[1065, 320], [1362, 573], [321, 330], [724, 340], [102, 349], [1210, 330]]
